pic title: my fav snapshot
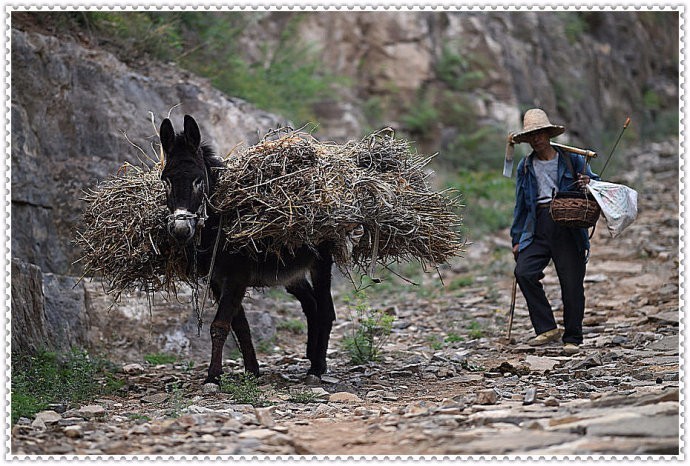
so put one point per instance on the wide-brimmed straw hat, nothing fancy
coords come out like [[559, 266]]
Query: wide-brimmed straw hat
[[535, 119]]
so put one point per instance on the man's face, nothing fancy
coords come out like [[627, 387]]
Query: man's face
[[539, 140]]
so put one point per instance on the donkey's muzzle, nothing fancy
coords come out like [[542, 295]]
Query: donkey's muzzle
[[181, 225]]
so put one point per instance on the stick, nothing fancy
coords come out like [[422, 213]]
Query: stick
[[586, 152], [512, 309], [627, 122]]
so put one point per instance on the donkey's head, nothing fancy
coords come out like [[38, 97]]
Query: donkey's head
[[185, 178]]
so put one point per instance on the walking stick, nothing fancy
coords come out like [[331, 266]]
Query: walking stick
[[627, 122], [512, 309]]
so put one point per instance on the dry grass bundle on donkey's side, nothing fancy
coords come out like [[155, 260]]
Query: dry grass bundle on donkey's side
[[282, 193], [123, 235]]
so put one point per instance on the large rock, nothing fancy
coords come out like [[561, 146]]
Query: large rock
[[29, 328], [70, 107], [65, 311], [48, 311]]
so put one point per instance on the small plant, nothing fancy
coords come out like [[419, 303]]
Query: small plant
[[435, 342], [244, 390], [48, 377], [304, 396], [453, 338], [460, 72], [266, 346], [189, 365], [160, 358], [475, 330], [472, 367], [292, 325], [421, 118], [235, 354], [370, 331], [178, 401], [461, 282], [138, 417]]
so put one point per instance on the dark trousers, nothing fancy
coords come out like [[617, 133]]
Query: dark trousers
[[553, 242]]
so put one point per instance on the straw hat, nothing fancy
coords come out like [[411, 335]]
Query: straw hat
[[535, 119]]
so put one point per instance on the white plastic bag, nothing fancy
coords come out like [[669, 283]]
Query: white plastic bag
[[618, 204]]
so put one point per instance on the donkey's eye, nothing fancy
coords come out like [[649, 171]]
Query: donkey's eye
[[198, 185]]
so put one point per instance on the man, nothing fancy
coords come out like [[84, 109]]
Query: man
[[537, 239]]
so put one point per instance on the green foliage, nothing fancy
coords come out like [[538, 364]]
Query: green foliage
[[370, 330], [235, 354], [471, 366], [266, 346], [477, 148], [575, 25], [421, 118], [453, 337], [372, 108], [435, 342], [651, 99], [292, 325], [489, 198], [243, 389], [138, 417], [160, 358], [177, 402], [48, 377], [403, 277], [460, 282], [288, 78], [475, 330], [304, 396], [459, 72]]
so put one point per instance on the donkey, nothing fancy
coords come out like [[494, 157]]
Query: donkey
[[190, 175]]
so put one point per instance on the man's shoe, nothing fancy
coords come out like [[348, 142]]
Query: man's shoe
[[544, 338], [571, 348]]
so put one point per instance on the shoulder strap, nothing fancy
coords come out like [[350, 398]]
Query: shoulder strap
[[569, 162]]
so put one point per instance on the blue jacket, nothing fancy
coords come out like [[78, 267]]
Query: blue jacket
[[526, 192]]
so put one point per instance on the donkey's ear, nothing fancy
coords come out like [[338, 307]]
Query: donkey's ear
[[191, 132], [167, 135]]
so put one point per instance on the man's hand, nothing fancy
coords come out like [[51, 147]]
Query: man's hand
[[515, 251], [582, 180]]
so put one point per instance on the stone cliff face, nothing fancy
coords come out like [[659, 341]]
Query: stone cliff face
[[70, 109], [590, 69]]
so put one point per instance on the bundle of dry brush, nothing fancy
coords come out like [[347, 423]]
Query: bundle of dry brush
[[275, 196]]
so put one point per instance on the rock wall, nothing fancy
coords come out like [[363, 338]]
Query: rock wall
[[588, 69], [70, 109]]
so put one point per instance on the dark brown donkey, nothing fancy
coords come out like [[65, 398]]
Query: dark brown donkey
[[190, 175]]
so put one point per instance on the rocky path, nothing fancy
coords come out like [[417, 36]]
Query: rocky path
[[449, 382]]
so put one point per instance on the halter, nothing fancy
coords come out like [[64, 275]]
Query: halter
[[201, 215]]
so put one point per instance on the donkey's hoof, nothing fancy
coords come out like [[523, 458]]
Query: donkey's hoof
[[312, 379], [213, 379]]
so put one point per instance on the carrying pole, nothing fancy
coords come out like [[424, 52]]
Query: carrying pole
[[627, 122]]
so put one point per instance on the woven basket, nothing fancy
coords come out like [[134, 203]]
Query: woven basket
[[575, 209]]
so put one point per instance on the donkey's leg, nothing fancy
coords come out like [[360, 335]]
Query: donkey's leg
[[303, 291], [244, 337], [325, 314], [229, 306]]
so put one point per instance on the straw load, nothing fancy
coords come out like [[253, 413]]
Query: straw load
[[285, 192]]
